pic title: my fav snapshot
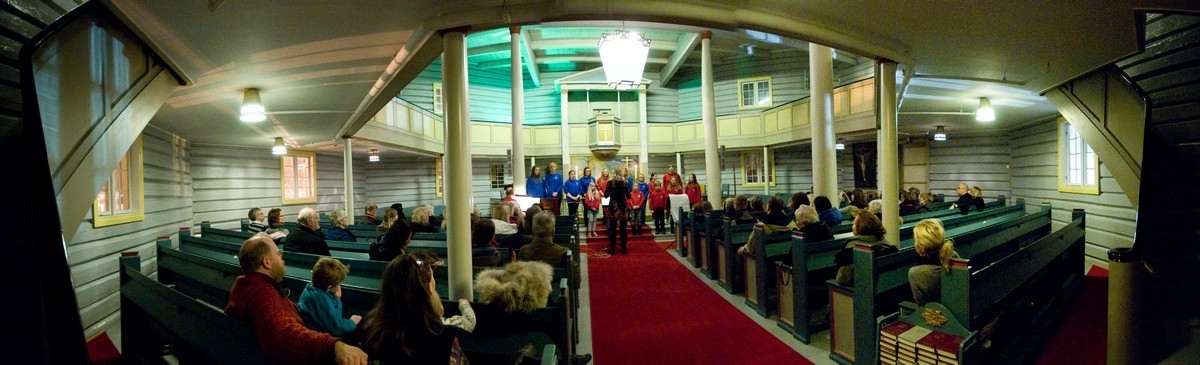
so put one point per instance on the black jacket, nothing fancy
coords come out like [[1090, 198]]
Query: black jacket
[[305, 240]]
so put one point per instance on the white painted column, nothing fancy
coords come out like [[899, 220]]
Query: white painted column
[[888, 169], [565, 137], [766, 170], [820, 63], [708, 113], [643, 136], [348, 177], [458, 159], [518, 111]]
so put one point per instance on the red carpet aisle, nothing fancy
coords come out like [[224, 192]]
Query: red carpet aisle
[[1082, 337], [648, 309]]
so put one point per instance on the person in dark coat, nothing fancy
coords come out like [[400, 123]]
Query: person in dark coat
[[617, 215], [307, 238], [965, 199]]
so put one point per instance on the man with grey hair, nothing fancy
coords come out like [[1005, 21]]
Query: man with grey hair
[[307, 238], [543, 247]]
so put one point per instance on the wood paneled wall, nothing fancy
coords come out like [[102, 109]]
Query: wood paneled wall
[[1111, 219], [981, 160], [789, 82], [94, 251]]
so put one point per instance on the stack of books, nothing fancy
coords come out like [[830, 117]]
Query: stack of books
[[902, 343]]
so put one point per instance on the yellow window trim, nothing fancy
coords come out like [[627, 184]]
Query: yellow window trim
[[1063, 187], [136, 183], [283, 182], [770, 86]]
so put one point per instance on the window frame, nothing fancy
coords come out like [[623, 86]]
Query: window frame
[[312, 177], [1085, 158], [438, 101], [137, 192], [757, 85], [493, 182], [770, 168]]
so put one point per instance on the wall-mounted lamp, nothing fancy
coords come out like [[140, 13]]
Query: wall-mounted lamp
[[373, 156], [280, 148], [941, 134], [985, 113], [252, 107], [839, 145]]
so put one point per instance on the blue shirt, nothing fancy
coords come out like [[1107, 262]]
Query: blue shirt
[[573, 187], [535, 187], [554, 184], [645, 188], [323, 312], [831, 217], [587, 181]]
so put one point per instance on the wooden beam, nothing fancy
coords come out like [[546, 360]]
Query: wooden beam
[[530, 59], [687, 42]]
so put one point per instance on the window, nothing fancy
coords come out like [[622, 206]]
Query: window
[[753, 171], [754, 93], [298, 172], [497, 176], [121, 199], [437, 98], [1078, 166]]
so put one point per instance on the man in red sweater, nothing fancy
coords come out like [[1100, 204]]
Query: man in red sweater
[[256, 299]]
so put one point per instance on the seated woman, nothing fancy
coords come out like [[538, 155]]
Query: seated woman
[[406, 325], [829, 215], [925, 203], [338, 220], [392, 243], [868, 230], [275, 224], [934, 252], [500, 213], [978, 194], [421, 219], [390, 217], [483, 244], [775, 214]]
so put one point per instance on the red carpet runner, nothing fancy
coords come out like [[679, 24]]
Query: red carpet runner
[[1082, 337], [648, 309]]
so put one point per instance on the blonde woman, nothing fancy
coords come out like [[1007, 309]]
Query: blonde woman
[[421, 219], [934, 252], [390, 217]]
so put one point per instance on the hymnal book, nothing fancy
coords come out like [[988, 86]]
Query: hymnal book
[[912, 335], [894, 329]]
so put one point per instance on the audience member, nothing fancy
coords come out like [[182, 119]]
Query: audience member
[[825, 210], [509, 194], [670, 176], [275, 224], [308, 237], [775, 215], [868, 230], [798, 199], [483, 244], [755, 204], [406, 326], [390, 217], [421, 217], [399, 207], [978, 194], [965, 199], [256, 220], [500, 213], [925, 203], [256, 299], [392, 243], [934, 252], [543, 247], [338, 221], [526, 225], [321, 303], [908, 202], [808, 223], [876, 207], [369, 214]]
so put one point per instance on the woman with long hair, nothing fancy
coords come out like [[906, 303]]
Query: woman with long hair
[[617, 214], [692, 189], [405, 326], [934, 252]]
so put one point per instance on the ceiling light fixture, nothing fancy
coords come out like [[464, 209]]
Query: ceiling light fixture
[[941, 134], [374, 156], [624, 57], [252, 107], [985, 113], [280, 148]]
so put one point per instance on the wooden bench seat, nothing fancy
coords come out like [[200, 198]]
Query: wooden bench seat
[[761, 289], [727, 264], [881, 282]]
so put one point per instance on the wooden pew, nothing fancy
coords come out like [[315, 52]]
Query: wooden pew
[[728, 266], [761, 290], [209, 280], [881, 282], [682, 238], [708, 233], [803, 298], [154, 315]]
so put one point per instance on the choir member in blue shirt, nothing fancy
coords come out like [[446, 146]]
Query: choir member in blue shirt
[[535, 184], [554, 186], [573, 190]]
